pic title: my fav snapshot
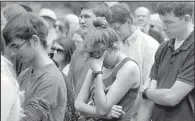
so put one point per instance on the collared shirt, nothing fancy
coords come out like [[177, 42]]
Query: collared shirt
[[10, 101], [141, 48], [171, 65], [45, 94]]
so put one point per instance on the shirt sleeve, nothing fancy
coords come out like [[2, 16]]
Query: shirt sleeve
[[39, 107], [187, 72]]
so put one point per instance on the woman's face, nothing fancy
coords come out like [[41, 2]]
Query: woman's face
[[58, 53], [110, 58]]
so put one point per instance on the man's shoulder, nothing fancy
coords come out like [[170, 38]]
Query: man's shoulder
[[52, 77], [52, 72], [163, 46]]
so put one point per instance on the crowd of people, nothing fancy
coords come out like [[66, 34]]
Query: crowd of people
[[107, 64]]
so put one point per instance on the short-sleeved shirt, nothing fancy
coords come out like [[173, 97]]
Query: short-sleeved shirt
[[45, 94], [141, 48], [171, 65]]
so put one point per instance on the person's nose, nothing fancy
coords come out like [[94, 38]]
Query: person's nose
[[140, 17], [164, 27], [55, 52], [81, 20], [57, 28]]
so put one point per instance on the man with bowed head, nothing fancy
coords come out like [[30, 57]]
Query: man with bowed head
[[43, 83], [171, 88]]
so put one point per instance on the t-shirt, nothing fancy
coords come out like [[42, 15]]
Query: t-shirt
[[45, 94], [171, 65]]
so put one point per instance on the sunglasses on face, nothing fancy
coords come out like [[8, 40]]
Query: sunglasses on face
[[57, 49], [96, 54]]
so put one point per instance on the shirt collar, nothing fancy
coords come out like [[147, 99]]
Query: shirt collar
[[133, 37], [188, 41], [6, 61]]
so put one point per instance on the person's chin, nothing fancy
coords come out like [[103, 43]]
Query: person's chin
[[84, 30]]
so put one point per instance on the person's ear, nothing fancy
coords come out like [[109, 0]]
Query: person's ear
[[187, 17], [114, 48], [129, 21], [35, 39]]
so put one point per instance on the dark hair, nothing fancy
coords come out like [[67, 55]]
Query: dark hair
[[24, 26], [67, 45], [120, 13], [100, 9], [102, 37], [178, 8], [27, 8]]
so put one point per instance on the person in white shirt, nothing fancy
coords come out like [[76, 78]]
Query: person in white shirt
[[10, 94], [134, 43]]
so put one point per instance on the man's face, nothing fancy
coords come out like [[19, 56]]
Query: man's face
[[122, 30], [86, 19], [173, 26], [22, 49], [141, 18]]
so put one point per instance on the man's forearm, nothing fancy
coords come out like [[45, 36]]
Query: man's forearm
[[160, 96]]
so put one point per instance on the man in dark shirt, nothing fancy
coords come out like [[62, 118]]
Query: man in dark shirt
[[171, 87], [45, 95]]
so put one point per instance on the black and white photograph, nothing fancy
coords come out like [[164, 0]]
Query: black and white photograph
[[97, 60]]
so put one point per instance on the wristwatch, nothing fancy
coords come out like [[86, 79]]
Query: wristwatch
[[95, 73]]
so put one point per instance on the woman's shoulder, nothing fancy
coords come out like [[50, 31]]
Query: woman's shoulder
[[131, 64], [129, 67]]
